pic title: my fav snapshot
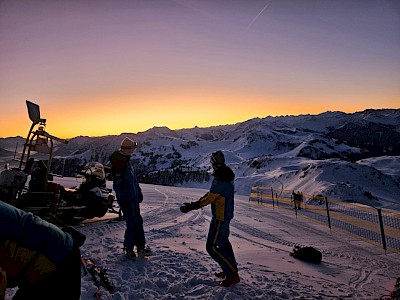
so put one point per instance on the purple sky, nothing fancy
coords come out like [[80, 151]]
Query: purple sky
[[185, 63]]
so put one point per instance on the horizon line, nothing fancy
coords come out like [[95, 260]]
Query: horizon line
[[230, 124]]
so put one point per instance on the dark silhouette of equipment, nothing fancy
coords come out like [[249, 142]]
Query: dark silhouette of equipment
[[44, 197]]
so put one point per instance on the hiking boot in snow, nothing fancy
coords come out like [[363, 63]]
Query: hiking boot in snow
[[229, 280], [221, 275], [129, 253], [144, 251]]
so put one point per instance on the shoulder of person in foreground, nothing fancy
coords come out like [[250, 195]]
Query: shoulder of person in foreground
[[224, 173], [32, 232]]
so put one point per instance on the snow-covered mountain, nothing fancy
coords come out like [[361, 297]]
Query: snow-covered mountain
[[353, 157]]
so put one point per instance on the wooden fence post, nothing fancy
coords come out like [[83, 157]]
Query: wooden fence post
[[273, 201], [327, 213], [382, 229]]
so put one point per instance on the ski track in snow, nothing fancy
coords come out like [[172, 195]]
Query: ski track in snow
[[181, 269]]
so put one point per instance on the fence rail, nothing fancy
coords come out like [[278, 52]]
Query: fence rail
[[374, 225]]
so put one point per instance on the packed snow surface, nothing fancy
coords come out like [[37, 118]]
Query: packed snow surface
[[262, 239]]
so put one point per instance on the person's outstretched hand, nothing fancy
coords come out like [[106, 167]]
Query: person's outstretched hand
[[186, 207]]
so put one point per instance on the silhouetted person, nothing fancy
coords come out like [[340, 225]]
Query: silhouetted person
[[129, 195], [221, 198]]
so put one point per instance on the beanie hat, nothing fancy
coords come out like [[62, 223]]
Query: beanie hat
[[217, 158], [128, 146]]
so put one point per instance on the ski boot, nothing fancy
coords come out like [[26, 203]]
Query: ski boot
[[129, 253], [229, 280], [221, 275], [144, 251]]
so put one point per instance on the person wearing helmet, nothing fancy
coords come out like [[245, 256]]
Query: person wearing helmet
[[221, 198], [129, 195]]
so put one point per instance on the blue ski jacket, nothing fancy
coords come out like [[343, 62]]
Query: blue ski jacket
[[221, 194], [125, 182], [30, 247]]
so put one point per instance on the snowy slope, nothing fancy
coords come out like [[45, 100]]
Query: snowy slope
[[266, 151], [388, 165], [262, 239]]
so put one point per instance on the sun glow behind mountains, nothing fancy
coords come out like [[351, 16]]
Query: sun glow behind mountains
[[99, 68]]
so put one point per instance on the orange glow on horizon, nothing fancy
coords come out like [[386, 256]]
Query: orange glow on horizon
[[127, 66], [137, 112]]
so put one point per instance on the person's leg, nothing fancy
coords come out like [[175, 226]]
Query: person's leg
[[134, 233], [219, 247], [127, 210], [139, 237]]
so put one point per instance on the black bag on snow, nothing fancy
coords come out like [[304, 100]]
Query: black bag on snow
[[307, 253]]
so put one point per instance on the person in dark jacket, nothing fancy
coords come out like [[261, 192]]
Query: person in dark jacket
[[39, 258], [129, 196], [221, 198], [297, 199]]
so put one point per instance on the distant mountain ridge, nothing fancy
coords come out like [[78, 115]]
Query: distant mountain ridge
[[260, 151], [377, 139]]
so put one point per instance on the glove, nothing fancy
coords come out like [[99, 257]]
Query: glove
[[186, 207]]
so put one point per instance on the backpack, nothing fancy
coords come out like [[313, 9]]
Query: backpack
[[307, 253], [119, 162]]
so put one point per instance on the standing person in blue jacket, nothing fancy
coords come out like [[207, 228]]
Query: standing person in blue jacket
[[129, 196], [39, 258], [221, 198]]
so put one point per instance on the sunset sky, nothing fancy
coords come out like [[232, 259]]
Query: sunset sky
[[100, 67]]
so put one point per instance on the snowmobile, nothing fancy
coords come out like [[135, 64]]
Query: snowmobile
[[30, 186]]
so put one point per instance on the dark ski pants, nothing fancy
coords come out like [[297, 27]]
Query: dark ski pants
[[219, 247], [134, 233]]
